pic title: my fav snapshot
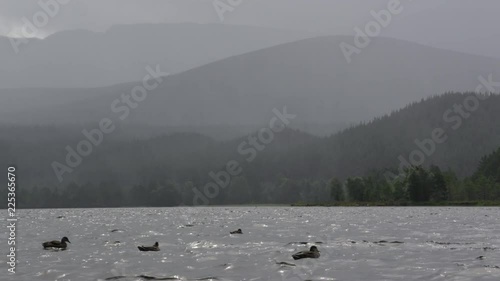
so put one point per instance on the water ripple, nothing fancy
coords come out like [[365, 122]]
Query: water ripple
[[355, 243]]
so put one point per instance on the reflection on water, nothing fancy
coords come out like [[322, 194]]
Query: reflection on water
[[355, 244]]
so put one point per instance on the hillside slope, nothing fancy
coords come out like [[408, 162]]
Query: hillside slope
[[376, 145], [310, 77], [82, 59]]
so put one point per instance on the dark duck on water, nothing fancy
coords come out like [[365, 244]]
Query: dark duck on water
[[313, 253], [56, 244], [237, 231], [154, 248]]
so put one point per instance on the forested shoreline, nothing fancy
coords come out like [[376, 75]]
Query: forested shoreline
[[417, 185], [294, 168]]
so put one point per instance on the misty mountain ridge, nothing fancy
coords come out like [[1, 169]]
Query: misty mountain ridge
[[310, 77], [82, 58]]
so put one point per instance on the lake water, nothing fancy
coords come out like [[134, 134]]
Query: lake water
[[438, 244]]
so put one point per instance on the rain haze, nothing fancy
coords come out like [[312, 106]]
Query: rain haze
[[440, 23], [250, 139]]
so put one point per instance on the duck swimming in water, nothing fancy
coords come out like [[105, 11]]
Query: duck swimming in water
[[237, 231], [313, 253], [154, 248], [56, 244]]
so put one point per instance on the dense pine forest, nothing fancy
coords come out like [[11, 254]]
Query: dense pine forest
[[370, 162]]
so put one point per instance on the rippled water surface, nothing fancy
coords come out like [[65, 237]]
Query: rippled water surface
[[437, 244]]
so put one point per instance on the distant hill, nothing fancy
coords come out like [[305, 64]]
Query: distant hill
[[83, 59], [377, 145], [189, 157], [310, 77]]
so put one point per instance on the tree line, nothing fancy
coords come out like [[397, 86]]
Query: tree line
[[416, 185], [170, 193], [294, 167]]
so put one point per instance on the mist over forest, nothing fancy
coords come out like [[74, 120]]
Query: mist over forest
[[188, 113]]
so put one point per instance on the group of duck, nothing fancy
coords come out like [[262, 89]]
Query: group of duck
[[313, 252], [62, 245]]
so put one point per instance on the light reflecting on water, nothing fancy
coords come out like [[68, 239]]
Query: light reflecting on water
[[438, 243]]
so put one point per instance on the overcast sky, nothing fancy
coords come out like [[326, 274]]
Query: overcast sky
[[464, 25]]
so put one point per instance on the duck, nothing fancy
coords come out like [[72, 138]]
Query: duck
[[56, 244], [154, 248], [237, 231], [313, 253]]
